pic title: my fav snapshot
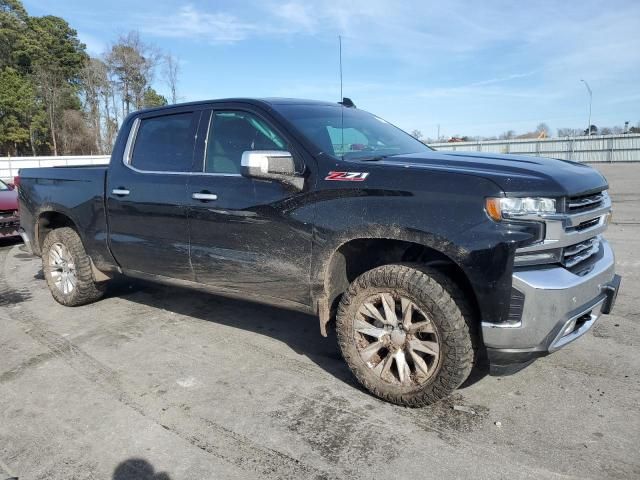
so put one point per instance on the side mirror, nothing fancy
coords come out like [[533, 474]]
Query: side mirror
[[11, 186], [271, 165]]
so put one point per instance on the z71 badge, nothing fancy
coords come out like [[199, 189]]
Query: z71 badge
[[347, 176]]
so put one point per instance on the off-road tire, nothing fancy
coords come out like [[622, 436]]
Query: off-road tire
[[442, 300], [86, 290]]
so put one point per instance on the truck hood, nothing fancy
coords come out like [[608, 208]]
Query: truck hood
[[8, 200], [514, 174]]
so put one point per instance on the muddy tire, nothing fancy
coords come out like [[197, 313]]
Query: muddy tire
[[67, 269], [404, 331]]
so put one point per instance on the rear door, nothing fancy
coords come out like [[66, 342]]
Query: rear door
[[246, 235], [146, 194]]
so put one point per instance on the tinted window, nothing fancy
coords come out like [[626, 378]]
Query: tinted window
[[3, 186], [165, 143], [233, 133]]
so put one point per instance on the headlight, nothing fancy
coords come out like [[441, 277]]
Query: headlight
[[499, 208]]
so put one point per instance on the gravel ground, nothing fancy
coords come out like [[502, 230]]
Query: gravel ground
[[162, 383]]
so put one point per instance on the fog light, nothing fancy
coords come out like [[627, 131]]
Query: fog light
[[537, 258]]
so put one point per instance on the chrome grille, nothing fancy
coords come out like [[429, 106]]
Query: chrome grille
[[8, 213], [584, 225], [584, 203], [573, 234], [14, 224], [581, 206], [574, 254]]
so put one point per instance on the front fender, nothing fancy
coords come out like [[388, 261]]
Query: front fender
[[443, 212]]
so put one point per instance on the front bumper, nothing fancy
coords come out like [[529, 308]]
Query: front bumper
[[9, 226], [559, 307]]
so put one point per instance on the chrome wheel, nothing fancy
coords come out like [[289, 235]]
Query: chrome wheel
[[397, 340], [62, 268]]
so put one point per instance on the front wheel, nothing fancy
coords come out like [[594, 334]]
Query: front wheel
[[67, 269], [404, 332]]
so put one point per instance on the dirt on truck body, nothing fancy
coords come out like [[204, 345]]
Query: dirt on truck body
[[423, 261]]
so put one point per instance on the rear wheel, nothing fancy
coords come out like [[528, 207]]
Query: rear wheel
[[67, 269], [404, 332]]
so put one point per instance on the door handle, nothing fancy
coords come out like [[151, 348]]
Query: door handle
[[204, 197], [121, 192]]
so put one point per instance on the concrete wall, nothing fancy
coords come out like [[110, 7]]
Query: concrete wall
[[594, 149]]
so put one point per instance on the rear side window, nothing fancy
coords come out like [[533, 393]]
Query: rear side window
[[165, 144]]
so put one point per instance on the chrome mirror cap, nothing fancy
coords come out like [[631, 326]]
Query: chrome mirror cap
[[268, 161], [271, 165]]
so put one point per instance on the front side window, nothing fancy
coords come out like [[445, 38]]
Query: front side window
[[233, 133], [165, 144], [3, 186]]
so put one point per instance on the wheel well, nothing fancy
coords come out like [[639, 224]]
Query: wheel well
[[357, 256], [48, 221]]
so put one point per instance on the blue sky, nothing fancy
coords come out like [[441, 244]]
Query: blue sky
[[474, 68]]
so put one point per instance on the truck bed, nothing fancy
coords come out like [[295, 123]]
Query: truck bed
[[76, 191]]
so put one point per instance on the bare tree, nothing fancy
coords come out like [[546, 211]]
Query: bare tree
[[50, 85], [569, 132], [75, 138], [509, 134], [132, 64], [95, 85], [543, 128], [111, 116], [171, 71]]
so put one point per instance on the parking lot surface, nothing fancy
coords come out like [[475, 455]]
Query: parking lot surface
[[164, 383]]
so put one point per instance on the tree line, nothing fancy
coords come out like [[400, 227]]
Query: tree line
[[55, 99], [541, 131]]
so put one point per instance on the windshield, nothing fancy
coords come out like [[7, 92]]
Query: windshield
[[349, 133], [3, 186]]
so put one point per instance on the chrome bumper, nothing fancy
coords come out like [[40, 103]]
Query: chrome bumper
[[559, 307]]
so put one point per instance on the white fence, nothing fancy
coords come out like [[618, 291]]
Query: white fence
[[600, 148], [9, 166], [597, 148]]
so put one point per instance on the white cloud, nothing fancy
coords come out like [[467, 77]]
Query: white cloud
[[296, 16], [217, 28], [507, 78], [460, 61]]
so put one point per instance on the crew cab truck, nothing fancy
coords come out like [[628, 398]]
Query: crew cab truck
[[422, 259]]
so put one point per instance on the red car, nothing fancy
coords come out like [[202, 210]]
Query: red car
[[9, 219]]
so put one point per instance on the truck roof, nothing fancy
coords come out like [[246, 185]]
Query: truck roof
[[269, 101]]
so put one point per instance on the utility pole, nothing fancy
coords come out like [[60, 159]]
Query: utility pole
[[590, 101]]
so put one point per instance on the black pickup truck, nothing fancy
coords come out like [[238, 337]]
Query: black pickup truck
[[423, 260]]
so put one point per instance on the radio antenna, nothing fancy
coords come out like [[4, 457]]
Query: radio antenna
[[341, 99], [340, 52]]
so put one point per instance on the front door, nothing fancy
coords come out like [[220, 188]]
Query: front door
[[147, 195], [244, 232]]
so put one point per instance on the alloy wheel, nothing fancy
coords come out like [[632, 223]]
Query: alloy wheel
[[396, 339], [62, 268]]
